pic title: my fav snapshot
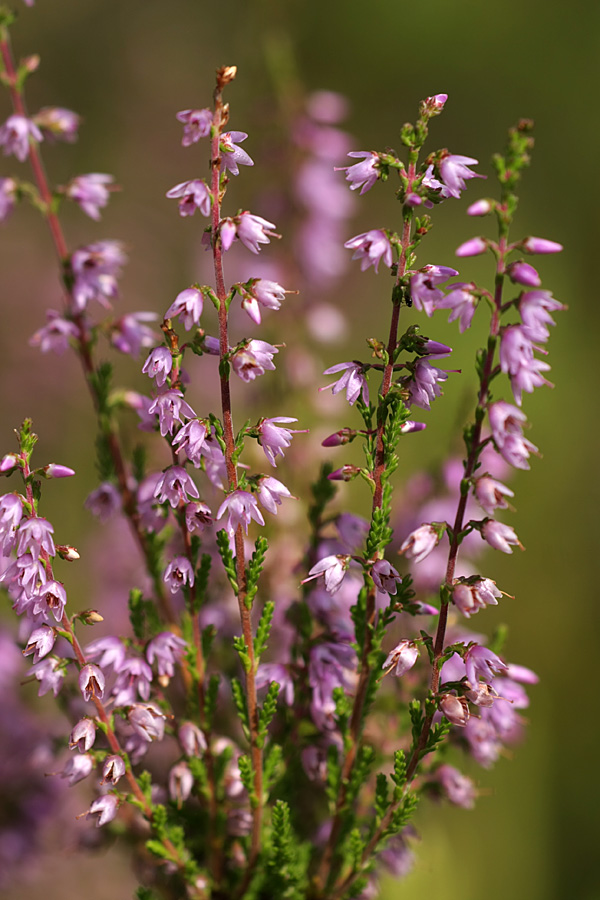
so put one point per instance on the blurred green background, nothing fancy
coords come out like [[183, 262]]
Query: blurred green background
[[127, 67]]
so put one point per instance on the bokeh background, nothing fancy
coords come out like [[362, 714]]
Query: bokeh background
[[127, 67]]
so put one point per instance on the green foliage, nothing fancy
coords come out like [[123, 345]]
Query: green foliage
[[266, 713], [143, 615], [323, 491], [264, 629], [286, 865], [210, 699], [247, 778], [255, 567], [227, 558], [139, 458], [361, 772], [239, 644], [239, 699], [201, 582]]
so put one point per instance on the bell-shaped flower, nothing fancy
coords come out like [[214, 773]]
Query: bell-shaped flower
[[333, 568], [371, 247], [241, 507], [402, 658], [233, 156]]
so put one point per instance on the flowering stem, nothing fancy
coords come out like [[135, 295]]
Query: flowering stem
[[225, 75], [83, 348]]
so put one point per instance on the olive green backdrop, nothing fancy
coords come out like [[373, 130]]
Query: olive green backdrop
[[127, 66]]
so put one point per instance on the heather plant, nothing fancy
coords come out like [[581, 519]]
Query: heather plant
[[285, 695]]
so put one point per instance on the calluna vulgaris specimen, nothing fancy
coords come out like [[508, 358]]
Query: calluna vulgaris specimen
[[299, 730]]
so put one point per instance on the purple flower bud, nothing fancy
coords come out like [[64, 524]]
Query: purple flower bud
[[456, 709], [500, 536], [7, 463], [521, 674], [40, 642], [480, 208], [413, 200], [83, 735], [522, 273], [410, 427], [402, 658], [113, 770], [435, 104], [339, 438], [346, 473], [474, 247], [91, 682], [188, 306], [55, 470], [105, 808], [540, 245]]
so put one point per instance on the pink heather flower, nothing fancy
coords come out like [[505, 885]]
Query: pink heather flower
[[50, 675], [353, 381], [55, 334], [91, 682], [95, 270], [271, 492], [261, 292], [191, 439], [227, 232], [490, 494], [363, 174], [385, 576], [129, 333], [40, 642], [166, 648], [517, 359], [113, 769], [241, 507], [456, 709], [194, 195], [273, 438], [462, 303], [253, 359], [435, 103], [90, 192], [147, 721], [105, 808], [158, 365], [333, 568], [11, 513], [188, 306], [181, 782], [77, 768], [134, 677], [424, 384], [458, 788], [420, 543], [15, 135], [482, 663], [540, 245], [83, 735], [521, 674], [104, 502], [233, 156], [472, 594], [269, 672], [57, 123], [352, 530], [192, 740], [535, 308], [371, 247], [197, 517], [522, 273], [473, 247], [402, 658], [170, 407], [175, 486], [506, 424], [432, 184], [253, 230], [109, 651], [179, 572], [454, 172], [35, 535], [500, 536], [423, 291], [196, 124], [56, 470], [8, 188], [480, 208]]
